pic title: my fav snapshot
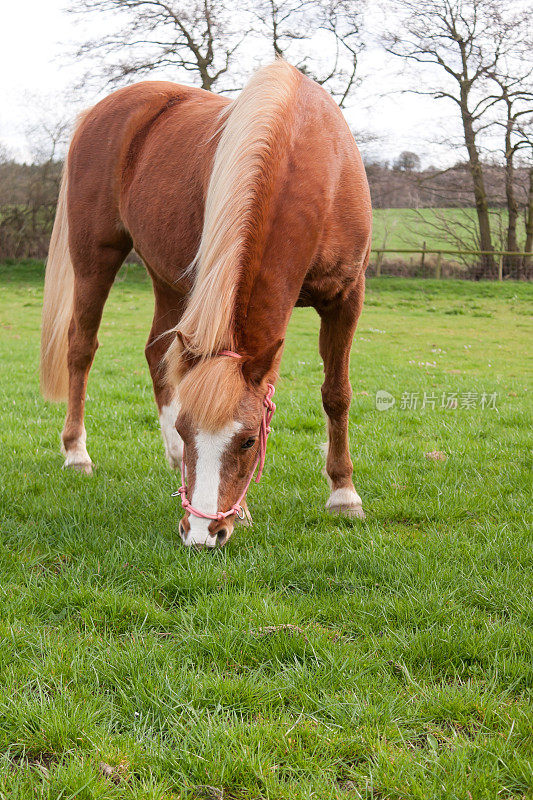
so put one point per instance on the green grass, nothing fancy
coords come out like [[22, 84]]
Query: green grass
[[408, 673], [409, 228]]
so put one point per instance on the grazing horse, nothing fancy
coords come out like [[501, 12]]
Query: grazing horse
[[240, 210]]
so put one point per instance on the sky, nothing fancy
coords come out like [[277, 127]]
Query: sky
[[38, 72]]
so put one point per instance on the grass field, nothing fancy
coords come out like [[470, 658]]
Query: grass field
[[312, 657], [408, 227]]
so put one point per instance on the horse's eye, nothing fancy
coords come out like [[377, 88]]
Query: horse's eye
[[248, 443]]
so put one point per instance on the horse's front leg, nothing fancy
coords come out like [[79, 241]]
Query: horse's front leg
[[336, 334], [168, 310]]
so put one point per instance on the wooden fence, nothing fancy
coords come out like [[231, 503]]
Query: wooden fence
[[424, 251]]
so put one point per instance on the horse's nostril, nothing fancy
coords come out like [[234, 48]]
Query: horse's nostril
[[221, 535]]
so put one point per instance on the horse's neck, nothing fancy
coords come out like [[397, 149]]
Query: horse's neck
[[265, 316]]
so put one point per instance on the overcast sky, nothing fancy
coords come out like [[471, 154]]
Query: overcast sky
[[37, 73]]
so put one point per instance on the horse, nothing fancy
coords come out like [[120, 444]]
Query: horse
[[240, 210]]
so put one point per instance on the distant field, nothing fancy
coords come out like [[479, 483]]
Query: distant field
[[314, 658], [408, 227]]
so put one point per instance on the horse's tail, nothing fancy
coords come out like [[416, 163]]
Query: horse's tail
[[58, 305], [255, 133]]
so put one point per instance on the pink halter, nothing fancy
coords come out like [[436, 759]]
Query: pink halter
[[264, 430]]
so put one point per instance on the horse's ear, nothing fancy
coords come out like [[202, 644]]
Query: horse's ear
[[183, 340], [256, 368], [183, 355]]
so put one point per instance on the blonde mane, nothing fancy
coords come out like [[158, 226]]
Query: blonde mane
[[254, 133], [211, 391]]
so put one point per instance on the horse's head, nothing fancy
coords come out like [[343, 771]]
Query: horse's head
[[224, 408]]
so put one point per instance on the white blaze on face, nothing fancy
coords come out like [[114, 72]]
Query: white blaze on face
[[210, 449], [171, 439]]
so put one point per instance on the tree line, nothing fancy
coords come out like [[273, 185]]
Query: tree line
[[474, 55]]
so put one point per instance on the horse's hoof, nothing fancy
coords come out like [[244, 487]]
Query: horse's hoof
[[83, 467], [355, 512], [346, 502]]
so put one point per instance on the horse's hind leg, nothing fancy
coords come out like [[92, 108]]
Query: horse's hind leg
[[336, 333], [95, 269]]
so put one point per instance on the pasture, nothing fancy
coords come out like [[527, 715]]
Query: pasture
[[410, 227], [313, 657]]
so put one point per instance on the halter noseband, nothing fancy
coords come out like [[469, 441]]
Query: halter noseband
[[264, 430]]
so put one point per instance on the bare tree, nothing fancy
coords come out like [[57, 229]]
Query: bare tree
[[526, 132], [528, 248], [284, 21], [303, 31], [514, 94], [194, 36], [28, 192], [466, 41]]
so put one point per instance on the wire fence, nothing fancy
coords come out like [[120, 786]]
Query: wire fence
[[508, 264]]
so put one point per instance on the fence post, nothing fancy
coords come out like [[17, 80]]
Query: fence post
[[438, 266], [437, 269], [378, 263]]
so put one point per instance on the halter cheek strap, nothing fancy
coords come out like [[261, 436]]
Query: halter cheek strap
[[264, 430]]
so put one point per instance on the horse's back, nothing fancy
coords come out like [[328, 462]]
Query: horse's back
[[141, 159], [112, 143], [168, 183]]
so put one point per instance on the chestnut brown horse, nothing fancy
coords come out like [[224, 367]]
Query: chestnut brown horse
[[240, 211]]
